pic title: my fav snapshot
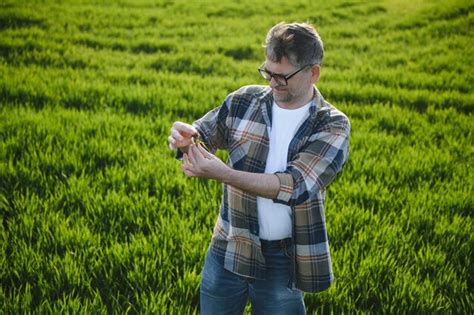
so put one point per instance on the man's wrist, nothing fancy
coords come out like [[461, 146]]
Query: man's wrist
[[225, 176]]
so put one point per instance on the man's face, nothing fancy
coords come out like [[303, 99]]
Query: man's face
[[299, 85]]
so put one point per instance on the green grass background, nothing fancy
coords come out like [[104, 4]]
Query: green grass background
[[97, 216]]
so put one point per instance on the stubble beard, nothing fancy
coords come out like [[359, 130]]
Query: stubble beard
[[283, 98], [289, 98]]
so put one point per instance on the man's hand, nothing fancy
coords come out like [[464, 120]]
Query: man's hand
[[181, 136], [200, 163]]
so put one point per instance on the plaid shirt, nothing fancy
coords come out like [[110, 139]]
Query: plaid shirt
[[316, 154]]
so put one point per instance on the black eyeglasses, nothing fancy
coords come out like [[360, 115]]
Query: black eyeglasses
[[281, 79]]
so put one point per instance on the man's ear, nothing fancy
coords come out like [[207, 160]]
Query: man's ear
[[315, 72]]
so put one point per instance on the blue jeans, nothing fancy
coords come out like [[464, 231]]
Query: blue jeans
[[223, 292]]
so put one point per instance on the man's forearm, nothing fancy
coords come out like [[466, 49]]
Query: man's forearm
[[200, 163], [259, 184]]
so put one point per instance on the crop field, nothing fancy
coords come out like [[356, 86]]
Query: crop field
[[96, 215]]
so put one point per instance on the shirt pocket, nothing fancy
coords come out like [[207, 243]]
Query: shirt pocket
[[247, 146], [238, 152]]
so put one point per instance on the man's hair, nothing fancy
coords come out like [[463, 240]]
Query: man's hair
[[299, 42]]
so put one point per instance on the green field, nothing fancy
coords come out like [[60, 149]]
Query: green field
[[97, 216]]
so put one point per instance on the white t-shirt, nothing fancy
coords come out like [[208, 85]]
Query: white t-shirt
[[274, 219]]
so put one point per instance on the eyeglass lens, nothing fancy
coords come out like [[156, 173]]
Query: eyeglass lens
[[280, 79]]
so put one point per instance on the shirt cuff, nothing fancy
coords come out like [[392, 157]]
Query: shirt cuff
[[286, 187]]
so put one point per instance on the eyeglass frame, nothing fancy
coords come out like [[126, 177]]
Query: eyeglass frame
[[262, 70]]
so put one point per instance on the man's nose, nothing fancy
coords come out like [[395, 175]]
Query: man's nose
[[274, 83]]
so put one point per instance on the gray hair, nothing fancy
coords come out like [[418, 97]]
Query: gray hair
[[299, 42]]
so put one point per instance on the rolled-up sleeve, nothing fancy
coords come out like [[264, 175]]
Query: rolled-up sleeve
[[212, 126], [316, 166], [212, 129]]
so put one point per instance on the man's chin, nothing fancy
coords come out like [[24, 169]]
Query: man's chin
[[281, 96]]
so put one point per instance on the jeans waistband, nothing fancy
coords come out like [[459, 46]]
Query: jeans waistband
[[284, 243]]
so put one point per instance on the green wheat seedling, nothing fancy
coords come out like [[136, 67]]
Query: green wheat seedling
[[196, 139]]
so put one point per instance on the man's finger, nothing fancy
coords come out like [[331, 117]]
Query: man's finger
[[191, 154], [198, 152], [186, 162], [206, 154], [176, 135], [186, 129], [187, 171], [172, 143]]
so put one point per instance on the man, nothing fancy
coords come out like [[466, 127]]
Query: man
[[286, 144]]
